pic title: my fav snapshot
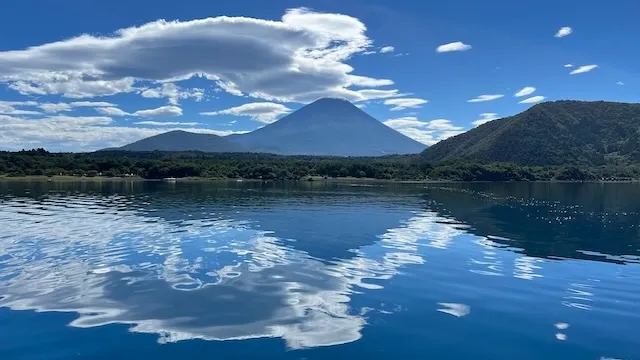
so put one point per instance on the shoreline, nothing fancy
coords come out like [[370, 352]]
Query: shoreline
[[314, 179]]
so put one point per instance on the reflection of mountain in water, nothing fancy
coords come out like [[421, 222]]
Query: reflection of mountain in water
[[582, 221]]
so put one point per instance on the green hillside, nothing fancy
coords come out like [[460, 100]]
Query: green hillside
[[552, 133]]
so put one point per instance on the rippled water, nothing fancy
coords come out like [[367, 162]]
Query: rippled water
[[308, 271]]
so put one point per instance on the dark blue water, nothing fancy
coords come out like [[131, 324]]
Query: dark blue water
[[310, 271]]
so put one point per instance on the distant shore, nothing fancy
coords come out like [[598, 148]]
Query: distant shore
[[307, 179]]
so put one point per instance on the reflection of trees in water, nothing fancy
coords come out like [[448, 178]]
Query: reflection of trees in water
[[581, 221], [326, 220]]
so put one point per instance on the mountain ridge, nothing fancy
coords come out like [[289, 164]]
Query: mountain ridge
[[328, 127], [178, 140], [551, 133]]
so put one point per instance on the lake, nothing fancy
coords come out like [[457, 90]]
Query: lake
[[240, 270]]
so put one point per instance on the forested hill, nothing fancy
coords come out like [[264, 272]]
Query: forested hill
[[552, 133]]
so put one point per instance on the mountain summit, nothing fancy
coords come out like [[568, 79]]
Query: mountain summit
[[325, 127], [328, 126]]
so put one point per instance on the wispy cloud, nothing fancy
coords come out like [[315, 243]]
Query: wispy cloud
[[619, 83], [483, 98], [162, 111], [405, 103], [527, 90], [426, 132], [532, 100], [166, 123], [583, 69], [564, 31], [568, 65], [485, 118], [112, 111], [387, 49], [454, 46], [264, 112]]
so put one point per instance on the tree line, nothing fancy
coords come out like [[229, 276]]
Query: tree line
[[158, 165]]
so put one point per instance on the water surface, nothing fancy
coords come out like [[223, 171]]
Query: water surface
[[311, 271]]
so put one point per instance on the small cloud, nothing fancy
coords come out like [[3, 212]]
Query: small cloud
[[532, 100], [454, 46], [55, 108], [528, 90], [387, 49], [264, 112], [619, 83], [583, 69], [112, 111], [368, 52], [568, 65], [166, 123], [426, 132], [405, 103], [162, 111], [485, 118], [483, 98], [564, 31]]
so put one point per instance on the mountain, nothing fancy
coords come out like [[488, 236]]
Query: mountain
[[179, 140], [328, 127], [551, 133]]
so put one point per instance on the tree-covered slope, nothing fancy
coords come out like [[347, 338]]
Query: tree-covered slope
[[179, 140], [552, 133]]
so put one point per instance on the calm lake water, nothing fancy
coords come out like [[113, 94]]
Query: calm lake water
[[312, 271]]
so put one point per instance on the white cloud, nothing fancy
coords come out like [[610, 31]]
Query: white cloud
[[387, 49], [483, 98], [485, 118], [264, 112], [19, 103], [426, 132], [92, 104], [6, 109], [532, 100], [454, 46], [564, 31], [166, 123], [366, 81], [112, 111], [619, 83], [59, 107], [568, 65], [55, 108], [527, 90], [583, 69], [405, 103], [82, 133], [162, 111], [173, 93], [300, 58], [72, 84]]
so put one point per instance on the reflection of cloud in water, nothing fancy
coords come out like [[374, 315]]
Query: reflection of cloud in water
[[206, 279], [579, 295], [489, 264], [525, 268], [455, 309]]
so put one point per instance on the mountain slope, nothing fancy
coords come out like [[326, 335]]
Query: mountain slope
[[179, 140], [552, 133], [328, 127]]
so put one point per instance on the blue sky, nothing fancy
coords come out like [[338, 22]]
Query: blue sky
[[83, 75]]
